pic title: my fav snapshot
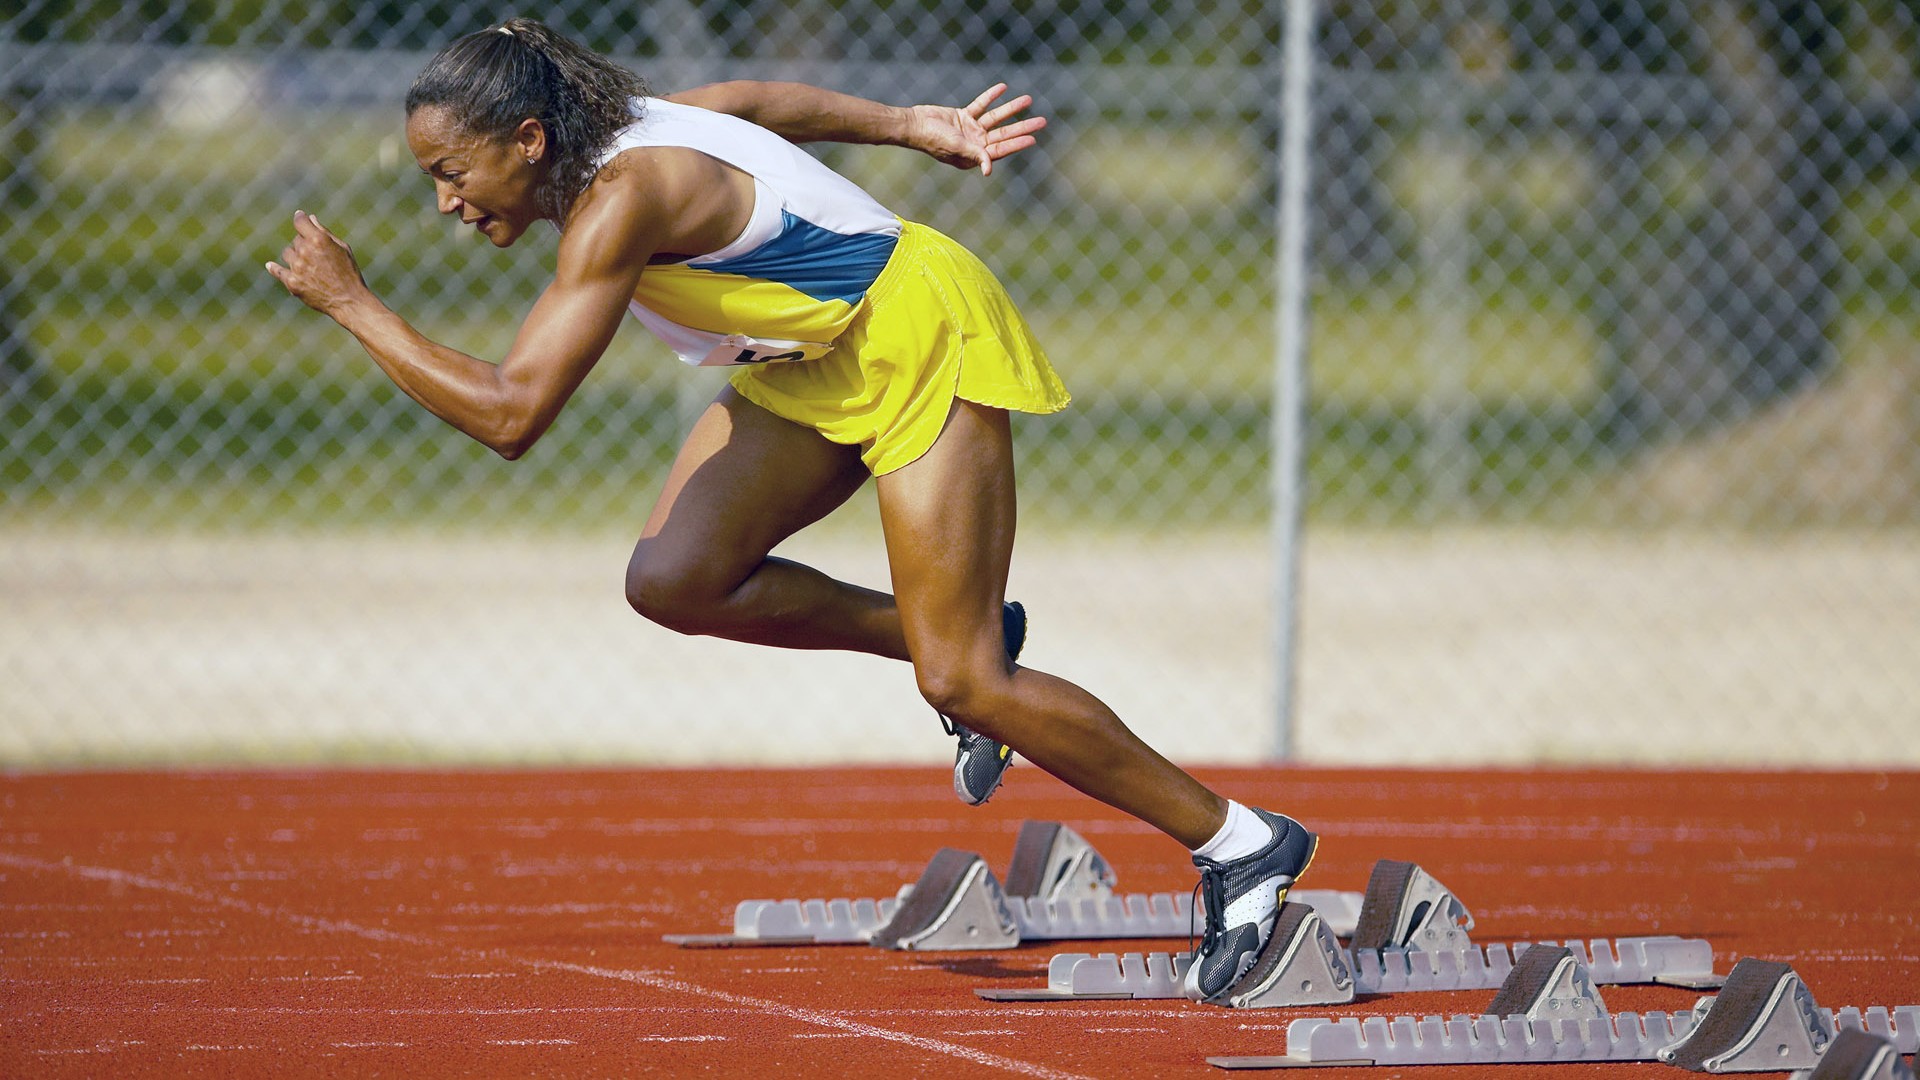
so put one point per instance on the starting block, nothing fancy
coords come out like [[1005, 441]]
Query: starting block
[[1856, 1055], [1765, 1020], [956, 904], [1406, 908], [1059, 888], [1768, 1023], [1307, 967], [1403, 907]]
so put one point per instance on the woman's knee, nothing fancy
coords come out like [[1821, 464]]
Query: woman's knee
[[670, 590], [969, 693]]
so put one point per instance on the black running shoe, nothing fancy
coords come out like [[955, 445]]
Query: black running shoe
[[981, 762], [1241, 898]]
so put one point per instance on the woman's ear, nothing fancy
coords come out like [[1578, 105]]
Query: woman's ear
[[530, 138]]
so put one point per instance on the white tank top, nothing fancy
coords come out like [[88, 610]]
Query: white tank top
[[793, 279]]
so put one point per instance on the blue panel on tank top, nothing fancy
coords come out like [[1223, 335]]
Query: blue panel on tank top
[[821, 263]]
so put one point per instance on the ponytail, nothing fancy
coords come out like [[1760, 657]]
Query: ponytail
[[494, 79]]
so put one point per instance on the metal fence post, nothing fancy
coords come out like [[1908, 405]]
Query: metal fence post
[[1289, 369]]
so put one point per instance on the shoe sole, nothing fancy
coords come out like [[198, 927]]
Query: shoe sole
[[959, 781]]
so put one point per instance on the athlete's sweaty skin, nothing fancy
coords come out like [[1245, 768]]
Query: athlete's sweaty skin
[[746, 479]]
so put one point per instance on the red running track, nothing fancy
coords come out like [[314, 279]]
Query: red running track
[[436, 924]]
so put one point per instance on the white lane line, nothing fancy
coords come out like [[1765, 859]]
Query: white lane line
[[656, 980], [530, 1042], [809, 1016], [986, 1031], [1126, 1031], [829, 1035], [681, 1038], [367, 1045]]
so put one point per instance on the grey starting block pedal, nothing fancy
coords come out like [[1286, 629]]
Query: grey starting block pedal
[[956, 904], [1302, 964], [1765, 1020], [1051, 863], [1856, 1055], [1406, 908], [1059, 888], [1402, 902], [1549, 982]]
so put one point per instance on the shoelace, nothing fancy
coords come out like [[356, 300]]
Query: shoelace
[[1207, 892]]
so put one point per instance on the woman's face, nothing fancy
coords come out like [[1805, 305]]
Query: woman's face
[[490, 184]]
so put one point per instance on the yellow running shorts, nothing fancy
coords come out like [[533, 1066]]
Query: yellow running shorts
[[936, 326]]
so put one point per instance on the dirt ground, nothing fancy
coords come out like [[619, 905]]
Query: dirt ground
[[1484, 646]]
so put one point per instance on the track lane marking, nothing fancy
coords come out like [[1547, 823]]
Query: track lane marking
[[642, 977]]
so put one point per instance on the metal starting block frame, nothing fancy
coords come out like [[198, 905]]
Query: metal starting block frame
[[1403, 905], [1768, 1024], [1059, 888]]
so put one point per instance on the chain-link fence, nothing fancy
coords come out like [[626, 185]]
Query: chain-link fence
[[1612, 443]]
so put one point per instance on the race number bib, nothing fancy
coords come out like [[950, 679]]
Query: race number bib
[[737, 349]]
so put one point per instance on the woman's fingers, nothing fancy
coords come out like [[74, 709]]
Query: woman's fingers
[[994, 118], [1014, 131], [1011, 146], [979, 104]]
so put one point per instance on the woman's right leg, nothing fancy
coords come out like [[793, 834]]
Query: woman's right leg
[[744, 481]]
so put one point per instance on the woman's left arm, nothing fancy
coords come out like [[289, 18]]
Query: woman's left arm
[[972, 136]]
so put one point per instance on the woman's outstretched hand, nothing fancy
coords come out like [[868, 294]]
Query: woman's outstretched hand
[[318, 268], [976, 135]]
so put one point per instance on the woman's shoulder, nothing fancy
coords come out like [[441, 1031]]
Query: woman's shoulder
[[670, 196]]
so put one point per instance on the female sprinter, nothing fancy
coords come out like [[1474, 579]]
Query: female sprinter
[[862, 345]]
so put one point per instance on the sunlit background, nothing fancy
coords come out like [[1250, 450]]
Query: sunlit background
[[1611, 404]]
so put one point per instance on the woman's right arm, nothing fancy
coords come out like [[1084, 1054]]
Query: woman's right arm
[[973, 136], [509, 405]]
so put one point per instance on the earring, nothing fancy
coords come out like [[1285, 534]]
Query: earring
[[530, 161]]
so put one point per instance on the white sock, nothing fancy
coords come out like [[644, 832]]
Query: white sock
[[1241, 835]]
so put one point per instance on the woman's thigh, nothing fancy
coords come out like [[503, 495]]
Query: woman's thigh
[[743, 481], [949, 523]]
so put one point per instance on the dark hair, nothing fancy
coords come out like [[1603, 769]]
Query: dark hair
[[494, 79]]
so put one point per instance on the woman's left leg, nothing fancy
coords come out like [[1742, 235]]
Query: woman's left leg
[[949, 524]]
